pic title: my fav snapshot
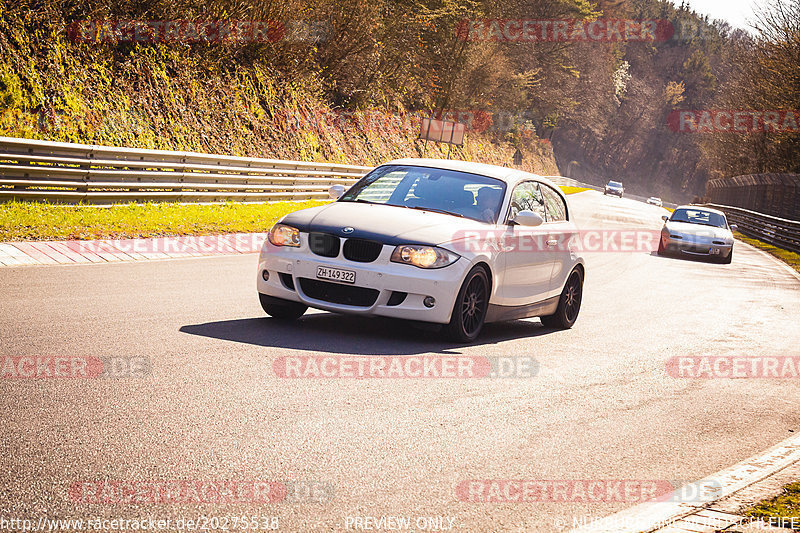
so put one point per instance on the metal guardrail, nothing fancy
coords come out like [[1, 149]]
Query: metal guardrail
[[775, 194], [779, 232], [72, 173]]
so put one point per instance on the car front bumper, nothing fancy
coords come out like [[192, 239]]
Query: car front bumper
[[696, 248], [293, 277]]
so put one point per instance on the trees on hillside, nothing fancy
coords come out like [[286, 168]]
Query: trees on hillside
[[604, 104]]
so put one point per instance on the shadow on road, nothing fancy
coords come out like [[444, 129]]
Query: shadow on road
[[343, 334]]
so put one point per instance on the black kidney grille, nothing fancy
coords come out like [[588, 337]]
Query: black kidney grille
[[362, 250], [323, 244], [339, 294]]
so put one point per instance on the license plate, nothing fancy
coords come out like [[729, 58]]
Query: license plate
[[713, 251], [336, 274]]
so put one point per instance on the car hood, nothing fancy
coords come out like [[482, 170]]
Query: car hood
[[698, 230], [384, 223]]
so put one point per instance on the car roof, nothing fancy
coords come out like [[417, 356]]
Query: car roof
[[511, 176], [700, 208]]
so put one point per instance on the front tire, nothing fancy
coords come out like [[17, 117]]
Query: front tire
[[469, 311], [727, 260], [569, 304], [280, 308]]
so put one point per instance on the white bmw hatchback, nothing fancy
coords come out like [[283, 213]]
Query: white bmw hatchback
[[448, 242]]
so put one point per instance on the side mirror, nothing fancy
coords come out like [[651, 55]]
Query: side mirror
[[528, 218], [734, 227], [336, 191], [664, 218]]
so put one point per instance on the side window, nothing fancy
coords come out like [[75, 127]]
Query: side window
[[556, 208], [527, 197]]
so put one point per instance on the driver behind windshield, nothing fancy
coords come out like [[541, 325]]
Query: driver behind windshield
[[487, 201]]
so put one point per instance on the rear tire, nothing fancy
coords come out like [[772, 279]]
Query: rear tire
[[281, 309], [469, 311], [569, 303]]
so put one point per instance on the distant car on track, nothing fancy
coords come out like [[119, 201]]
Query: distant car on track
[[697, 231], [614, 187], [655, 200], [393, 245]]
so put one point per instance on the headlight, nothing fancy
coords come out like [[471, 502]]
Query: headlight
[[423, 256], [283, 235]]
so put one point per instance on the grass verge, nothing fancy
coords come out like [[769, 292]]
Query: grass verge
[[790, 258], [572, 190], [32, 221], [784, 505], [35, 221]]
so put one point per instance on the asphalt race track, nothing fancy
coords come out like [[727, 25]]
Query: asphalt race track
[[601, 406]]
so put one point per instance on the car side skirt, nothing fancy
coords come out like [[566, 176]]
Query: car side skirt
[[498, 313]]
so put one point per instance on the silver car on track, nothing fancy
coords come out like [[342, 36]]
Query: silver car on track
[[655, 200], [697, 231], [615, 188]]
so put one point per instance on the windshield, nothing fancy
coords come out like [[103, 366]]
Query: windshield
[[698, 216], [431, 189], [614, 184]]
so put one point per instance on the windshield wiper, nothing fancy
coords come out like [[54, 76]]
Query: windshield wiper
[[434, 210], [360, 200]]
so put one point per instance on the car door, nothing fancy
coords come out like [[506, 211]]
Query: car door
[[560, 231], [527, 261]]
